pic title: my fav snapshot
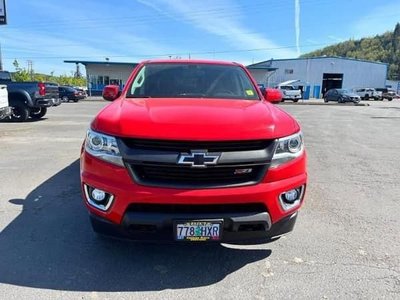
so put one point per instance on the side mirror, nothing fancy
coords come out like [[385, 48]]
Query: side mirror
[[273, 95], [111, 92]]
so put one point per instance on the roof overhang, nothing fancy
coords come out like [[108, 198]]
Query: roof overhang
[[107, 63]]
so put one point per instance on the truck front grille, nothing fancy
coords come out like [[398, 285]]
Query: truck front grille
[[182, 176], [157, 162], [184, 146]]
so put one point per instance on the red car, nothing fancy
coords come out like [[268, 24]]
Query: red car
[[192, 150]]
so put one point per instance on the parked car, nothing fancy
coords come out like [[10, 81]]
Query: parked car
[[341, 96], [369, 93], [68, 93], [289, 91], [388, 93], [192, 151], [28, 99]]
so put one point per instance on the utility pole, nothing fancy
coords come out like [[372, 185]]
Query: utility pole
[[3, 21], [78, 73], [30, 68], [1, 59]]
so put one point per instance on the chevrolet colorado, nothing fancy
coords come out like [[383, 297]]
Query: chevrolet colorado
[[192, 150]]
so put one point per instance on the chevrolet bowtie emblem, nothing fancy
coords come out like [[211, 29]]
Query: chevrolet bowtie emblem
[[198, 159]]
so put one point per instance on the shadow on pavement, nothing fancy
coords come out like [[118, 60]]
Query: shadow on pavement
[[51, 245], [30, 120]]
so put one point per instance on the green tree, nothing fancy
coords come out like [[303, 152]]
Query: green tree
[[384, 48], [20, 74]]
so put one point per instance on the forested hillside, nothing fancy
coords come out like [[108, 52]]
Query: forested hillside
[[384, 48]]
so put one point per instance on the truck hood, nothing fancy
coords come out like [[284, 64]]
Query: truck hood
[[194, 119], [289, 82]]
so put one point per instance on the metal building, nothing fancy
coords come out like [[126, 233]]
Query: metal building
[[102, 73], [319, 74]]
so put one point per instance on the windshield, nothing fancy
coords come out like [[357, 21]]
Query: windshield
[[287, 87], [171, 80], [344, 91]]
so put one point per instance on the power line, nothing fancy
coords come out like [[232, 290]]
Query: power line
[[261, 7], [174, 54]]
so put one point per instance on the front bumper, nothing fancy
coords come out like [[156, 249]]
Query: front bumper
[[291, 97], [160, 227], [119, 219]]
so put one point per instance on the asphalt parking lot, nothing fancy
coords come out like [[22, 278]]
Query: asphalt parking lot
[[346, 243]]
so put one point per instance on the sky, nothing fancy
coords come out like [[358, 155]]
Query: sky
[[47, 32]]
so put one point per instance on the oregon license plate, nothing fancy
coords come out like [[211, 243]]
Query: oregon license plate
[[198, 231]]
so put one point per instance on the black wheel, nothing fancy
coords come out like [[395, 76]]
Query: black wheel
[[38, 112], [325, 100], [366, 97], [20, 113], [76, 100], [340, 100], [65, 99]]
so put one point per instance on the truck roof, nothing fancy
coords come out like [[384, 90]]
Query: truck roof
[[190, 61]]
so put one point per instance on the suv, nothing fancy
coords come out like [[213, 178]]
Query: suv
[[387, 93], [191, 150], [367, 93]]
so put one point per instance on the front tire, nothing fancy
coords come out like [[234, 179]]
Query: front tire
[[20, 113], [325, 100], [38, 113]]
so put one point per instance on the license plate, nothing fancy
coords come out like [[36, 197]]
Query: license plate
[[198, 231]]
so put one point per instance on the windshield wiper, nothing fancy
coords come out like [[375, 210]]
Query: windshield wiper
[[201, 95], [134, 96]]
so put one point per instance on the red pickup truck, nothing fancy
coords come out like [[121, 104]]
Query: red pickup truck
[[193, 151]]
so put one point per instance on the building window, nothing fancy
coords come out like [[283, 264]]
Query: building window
[[288, 71]]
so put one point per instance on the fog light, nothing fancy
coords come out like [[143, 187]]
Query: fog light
[[98, 195], [98, 198], [291, 196]]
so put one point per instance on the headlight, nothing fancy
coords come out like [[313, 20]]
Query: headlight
[[288, 148], [103, 147]]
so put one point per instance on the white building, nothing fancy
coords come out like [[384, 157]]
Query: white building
[[102, 73], [319, 74]]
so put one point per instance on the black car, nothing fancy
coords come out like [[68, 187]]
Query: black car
[[68, 93], [341, 96]]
